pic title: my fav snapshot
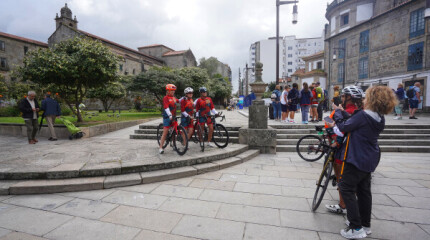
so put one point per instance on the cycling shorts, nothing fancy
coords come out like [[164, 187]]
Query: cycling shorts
[[166, 122], [204, 120], [187, 122]]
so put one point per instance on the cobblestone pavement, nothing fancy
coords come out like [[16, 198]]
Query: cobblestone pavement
[[114, 149], [267, 197]]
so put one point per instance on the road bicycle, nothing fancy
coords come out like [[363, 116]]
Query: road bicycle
[[312, 148], [220, 135], [177, 136]]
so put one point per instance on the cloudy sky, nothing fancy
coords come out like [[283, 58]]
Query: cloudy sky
[[220, 28]]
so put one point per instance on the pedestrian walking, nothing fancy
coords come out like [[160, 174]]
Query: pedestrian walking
[[284, 104], [51, 110], [305, 102], [400, 93], [414, 97], [314, 104], [361, 157], [276, 103], [30, 113], [293, 100]]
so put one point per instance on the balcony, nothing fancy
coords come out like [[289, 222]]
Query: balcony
[[334, 4]]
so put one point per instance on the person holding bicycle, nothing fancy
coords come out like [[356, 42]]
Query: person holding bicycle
[[204, 109], [361, 155], [351, 100], [169, 112], [187, 110]]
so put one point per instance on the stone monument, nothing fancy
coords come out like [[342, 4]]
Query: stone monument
[[258, 135]]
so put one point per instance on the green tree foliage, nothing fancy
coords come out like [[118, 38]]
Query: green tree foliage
[[108, 94], [210, 64], [219, 88], [192, 77], [3, 86], [271, 86], [73, 66]]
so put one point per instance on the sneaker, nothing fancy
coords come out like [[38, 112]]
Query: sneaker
[[292, 121], [366, 229], [336, 209], [396, 118], [399, 118], [413, 117], [350, 233], [306, 122], [209, 144], [160, 151]]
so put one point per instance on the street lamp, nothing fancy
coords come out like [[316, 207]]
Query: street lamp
[[344, 64], [247, 78], [278, 3]]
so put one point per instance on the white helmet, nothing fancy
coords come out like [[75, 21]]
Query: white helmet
[[188, 90], [354, 91]]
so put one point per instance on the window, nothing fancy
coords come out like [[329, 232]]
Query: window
[[342, 44], [340, 69], [290, 63], [344, 19], [319, 65], [363, 67], [134, 71], [416, 26], [2, 45], [290, 70], [25, 50], [290, 55], [364, 41], [3, 63], [120, 67], [415, 56], [142, 67], [290, 48]]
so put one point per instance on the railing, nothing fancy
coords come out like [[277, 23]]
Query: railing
[[334, 4]]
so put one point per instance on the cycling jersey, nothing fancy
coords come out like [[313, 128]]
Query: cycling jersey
[[204, 107], [169, 103], [187, 109]]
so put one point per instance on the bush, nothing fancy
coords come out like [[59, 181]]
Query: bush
[[65, 110], [10, 111]]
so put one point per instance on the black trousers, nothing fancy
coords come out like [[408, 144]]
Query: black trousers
[[320, 111], [355, 189]]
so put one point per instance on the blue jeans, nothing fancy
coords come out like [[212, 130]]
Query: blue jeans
[[305, 113], [276, 110]]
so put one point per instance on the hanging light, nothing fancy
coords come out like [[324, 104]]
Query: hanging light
[[295, 14]]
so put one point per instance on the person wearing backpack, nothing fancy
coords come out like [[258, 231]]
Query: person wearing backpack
[[320, 98], [400, 93], [305, 102], [276, 98], [293, 100], [413, 95]]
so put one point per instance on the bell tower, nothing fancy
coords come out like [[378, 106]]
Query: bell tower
[[66, 18]]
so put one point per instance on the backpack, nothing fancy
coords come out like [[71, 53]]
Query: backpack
[[320, 94], [410, 93], [275, 96]]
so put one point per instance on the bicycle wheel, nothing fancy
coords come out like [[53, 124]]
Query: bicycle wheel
[[310, 148], [160, 133], [200, 132], [322, 184], [195, 136], [220, 136], [180, 140]]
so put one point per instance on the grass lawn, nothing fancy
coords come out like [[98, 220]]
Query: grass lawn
[[95, 118]]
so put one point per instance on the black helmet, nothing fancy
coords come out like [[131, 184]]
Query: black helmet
[[202, 90]]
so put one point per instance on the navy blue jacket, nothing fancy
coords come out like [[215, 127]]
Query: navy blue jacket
[[363, 131], [305, 98], [50, 107], [400, 93]]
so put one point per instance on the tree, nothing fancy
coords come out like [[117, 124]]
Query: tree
[[194, 77], [210, 64], [3, 86], [108, 94], [219, 88], [72, 67]]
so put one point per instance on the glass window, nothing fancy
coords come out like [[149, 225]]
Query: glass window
[[319, 65], [3, 63], [340, 69], [2, 45], [364, 41], [134, 71], [342, 44], [290, 48], [25, 50], [290, 55], [290, 70], [290, 63], [363, 67], [416, 26], [415, 56], [344, 19], [120, 67]]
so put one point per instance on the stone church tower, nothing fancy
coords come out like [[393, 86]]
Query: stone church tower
[[66, 18]]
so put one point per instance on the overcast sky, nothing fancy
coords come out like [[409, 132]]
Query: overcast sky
[[220, 28]]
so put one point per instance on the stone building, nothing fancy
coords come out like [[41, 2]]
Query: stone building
[[133, 62], [172, 58], [13, 50], [371, 42], [313, 71]]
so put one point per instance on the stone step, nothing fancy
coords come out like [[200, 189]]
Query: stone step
[[382, 142], [386, 131], [393, 148], [229, 128], [232, 139], [154, 131], [312, 126], [95, 183], [382, 136]]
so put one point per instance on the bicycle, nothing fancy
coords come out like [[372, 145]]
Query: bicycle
[[200, 134], [177, 136], [220, 135], [317, 146]]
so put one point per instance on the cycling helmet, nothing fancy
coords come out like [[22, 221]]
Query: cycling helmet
[[188, 90], [170, 87], [354, 91], [202, 90]]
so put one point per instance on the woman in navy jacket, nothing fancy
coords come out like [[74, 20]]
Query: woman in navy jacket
[[361, 156]]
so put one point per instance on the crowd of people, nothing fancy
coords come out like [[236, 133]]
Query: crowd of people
[[412, 95]]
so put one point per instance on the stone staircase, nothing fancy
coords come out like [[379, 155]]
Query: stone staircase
[[150, 132], [395, 138]]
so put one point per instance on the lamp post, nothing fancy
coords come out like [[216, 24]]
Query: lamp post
[[344, 64], [247, 79], [278, 3]]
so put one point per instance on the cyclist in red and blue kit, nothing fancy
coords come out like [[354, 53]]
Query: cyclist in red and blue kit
[[169, 112], [204, 109], [187, 110]]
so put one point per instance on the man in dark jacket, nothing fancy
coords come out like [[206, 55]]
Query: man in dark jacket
[[51, 110], [30, 108]]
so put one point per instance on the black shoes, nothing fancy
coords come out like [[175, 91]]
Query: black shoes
[[413, 117], [52, 139]]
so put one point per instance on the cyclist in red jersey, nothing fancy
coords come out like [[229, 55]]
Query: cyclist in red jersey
[[169, 112], [204, 109], [187, 110]]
